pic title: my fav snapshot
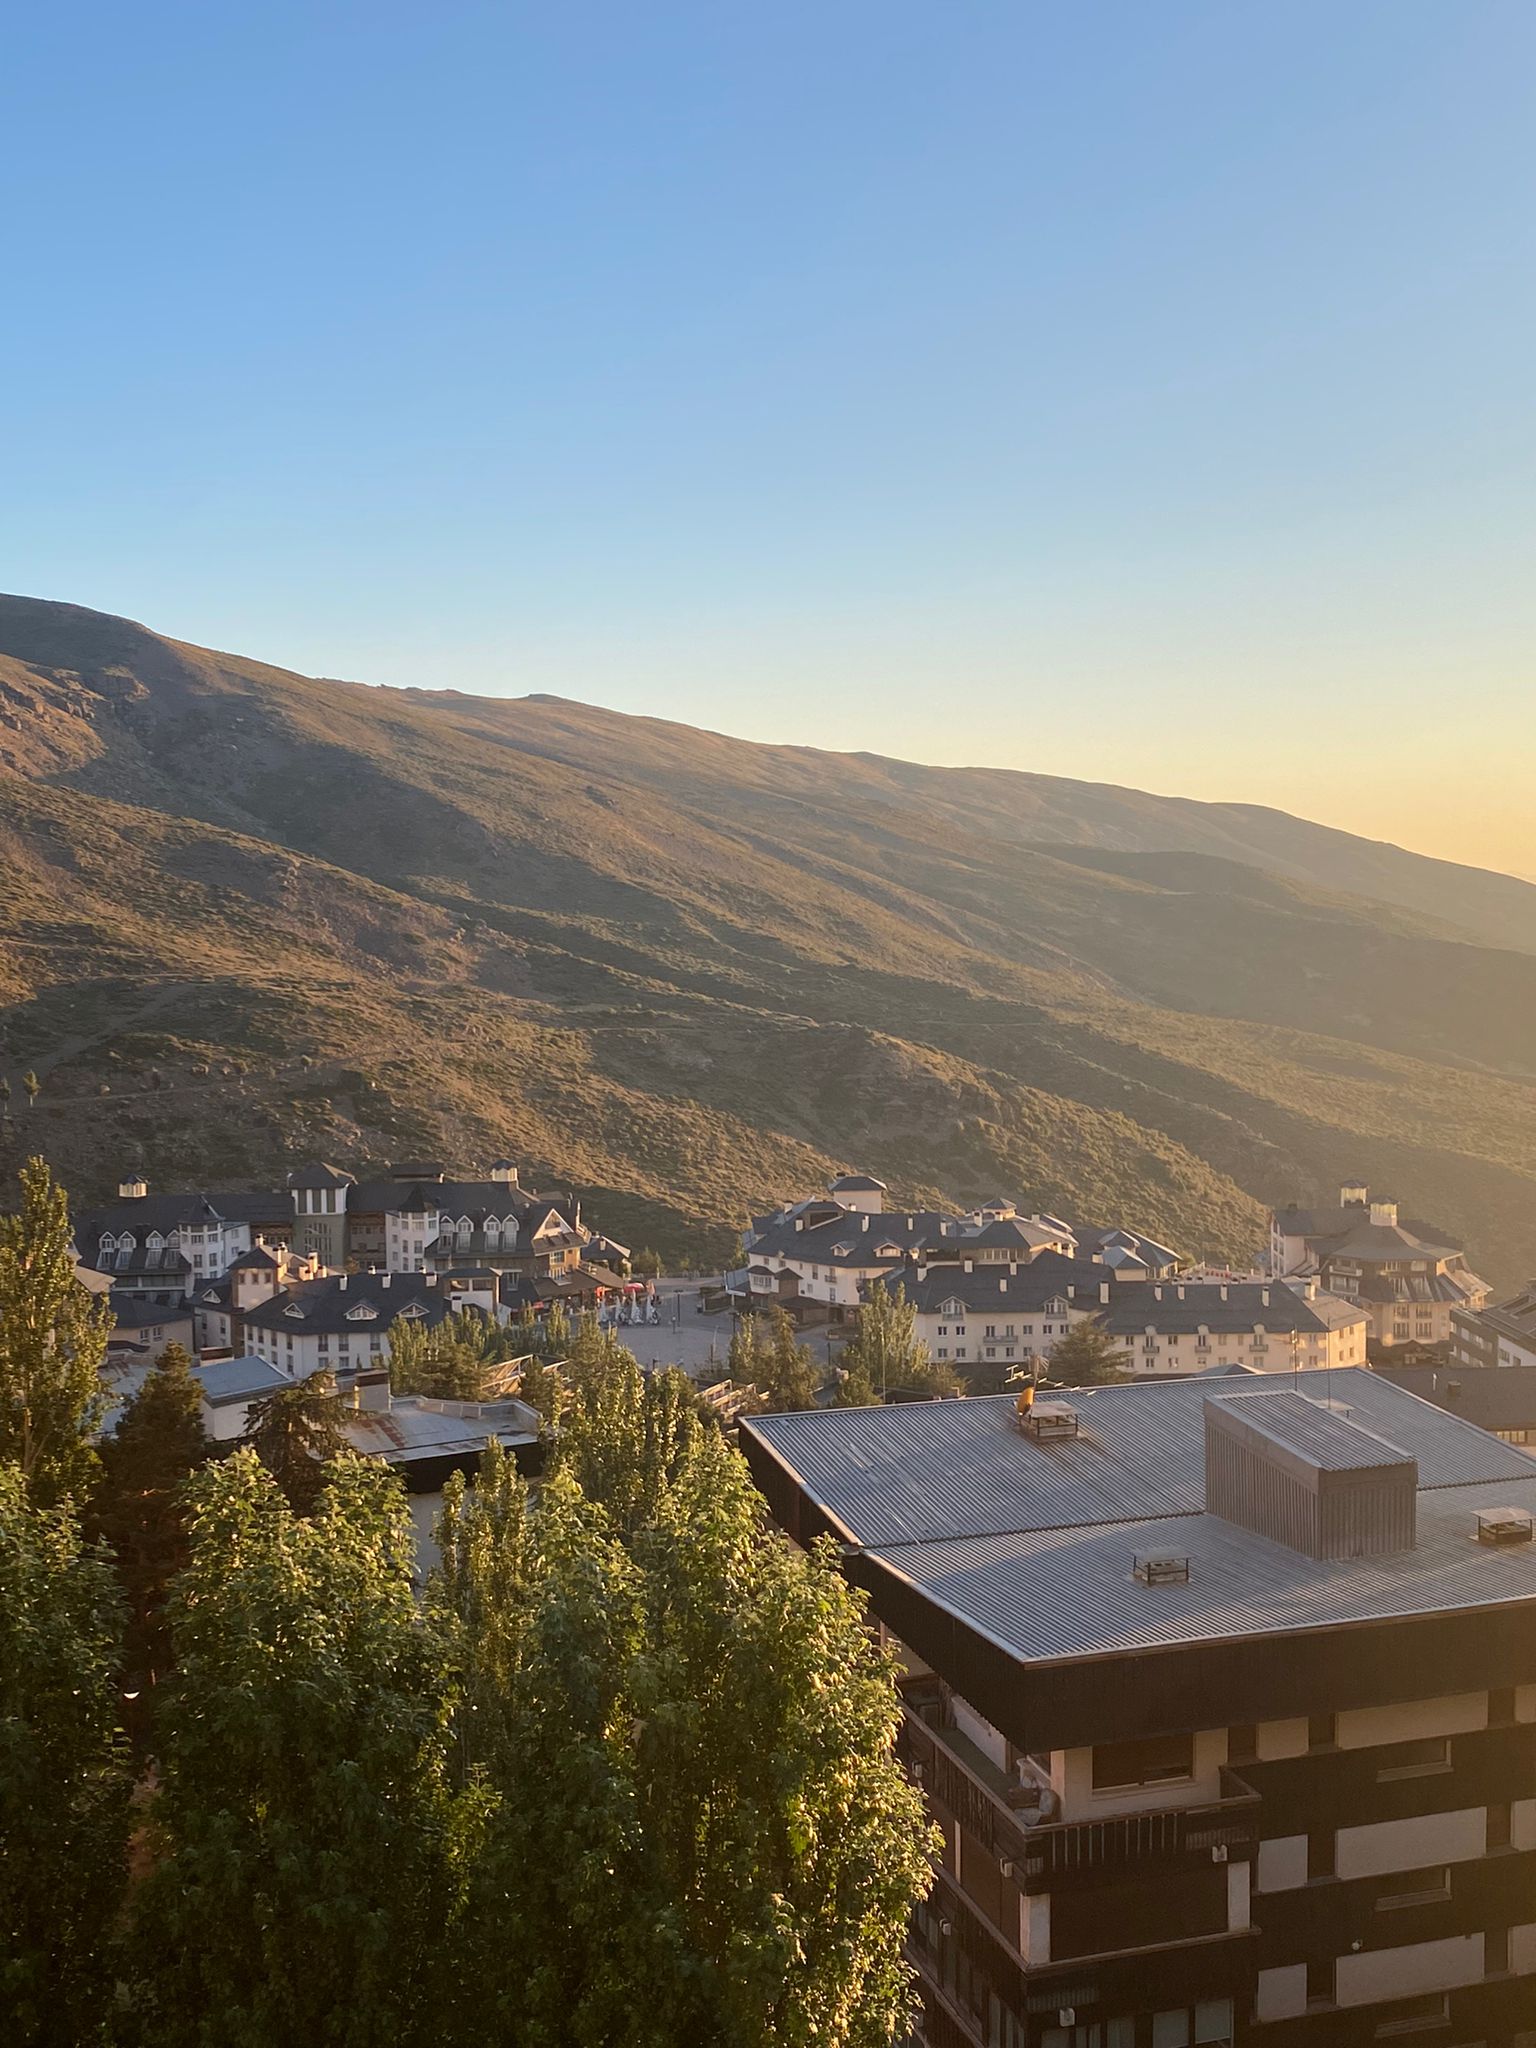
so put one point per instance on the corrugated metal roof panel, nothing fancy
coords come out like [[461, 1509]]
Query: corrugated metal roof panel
[[1060, 1593], [943, 1469]]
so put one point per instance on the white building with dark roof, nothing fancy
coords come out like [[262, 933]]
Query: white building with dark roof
[[1408, 1277]]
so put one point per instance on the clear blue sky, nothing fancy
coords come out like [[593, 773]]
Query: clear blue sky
[[1136, 391]]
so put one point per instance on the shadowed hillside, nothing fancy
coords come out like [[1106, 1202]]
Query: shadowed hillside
[[693, 974]]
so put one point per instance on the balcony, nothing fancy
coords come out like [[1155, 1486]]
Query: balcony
[[1004, 1816]]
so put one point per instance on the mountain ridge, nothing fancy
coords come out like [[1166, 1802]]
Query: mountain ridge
[[640, 952]]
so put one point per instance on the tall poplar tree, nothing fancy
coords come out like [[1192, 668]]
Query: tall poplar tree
[[309, 1839], [702, 1832], [64, 1778], [139, 1507], [53, 1343]]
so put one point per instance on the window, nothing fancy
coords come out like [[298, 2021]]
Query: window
[[1420, 1759], [1501, 1706], [1498, 1826], [1206, 2025], [1412, 2015], [1322, 1731], [1320, 1980], [1320, 1853], [1496, 1952], [1243, 1743], [1413, 1887], [1158, 1760]]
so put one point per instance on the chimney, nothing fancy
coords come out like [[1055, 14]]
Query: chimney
[[1157, 1294], [922, 1271], [1223, 1290], [341, 1284], [1002, 1286], [384, 1279], [967, 1265], [1103, 1290], [1384, 1213], [1264, 1296], [865, 1224]]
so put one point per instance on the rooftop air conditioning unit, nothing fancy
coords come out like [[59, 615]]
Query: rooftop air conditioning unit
[[1161, 1567], [1500, 1526], [1051, 1419]]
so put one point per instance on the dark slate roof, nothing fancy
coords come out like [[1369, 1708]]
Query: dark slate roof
[[1180, 1307], [858, 1183], [1494, 1397], [329, 1305], [1333, 1224], [943, 1469], [1020, 1290], [144, 1213], [132, 1312], [167, 1264], [320, 1175]]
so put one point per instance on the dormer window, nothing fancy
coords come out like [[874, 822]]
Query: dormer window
[[363, 1313], [295, 1311]]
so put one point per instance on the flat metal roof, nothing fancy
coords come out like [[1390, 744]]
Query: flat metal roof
[[936, 1471]]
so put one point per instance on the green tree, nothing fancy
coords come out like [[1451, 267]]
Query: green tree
[[555, 1331], [852, 1385], [786, 1375], [1087, 1356], [53, 1343], [64, 1778], [450, 1363], [544, 1391], [298, 1432], [31, 1083], [625, 1438], [311, 1850], [702, 1833], [139, 1507], [886, 1354], [646, 1264]]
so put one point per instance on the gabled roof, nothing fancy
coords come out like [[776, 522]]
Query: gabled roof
[[225, 1381], [314, 1307], [320, 1175], [858, 1184]]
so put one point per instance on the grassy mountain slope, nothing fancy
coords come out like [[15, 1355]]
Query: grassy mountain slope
[[692, 974]]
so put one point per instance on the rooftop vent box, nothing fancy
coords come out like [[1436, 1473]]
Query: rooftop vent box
[[1047, 1419], [1500, 1526], [1161, 1567]]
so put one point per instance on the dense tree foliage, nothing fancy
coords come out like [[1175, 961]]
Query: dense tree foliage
[[886, 1356], [63, 1774], [702, 1834], [766, 1354], [309, 1839], [53, 1342], [452, 1362], [298, 1432], [138, 1506], [1087, 1356]]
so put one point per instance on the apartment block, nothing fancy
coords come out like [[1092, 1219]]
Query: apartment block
[[1223, 1697]]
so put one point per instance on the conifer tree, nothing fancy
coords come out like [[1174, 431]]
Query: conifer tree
[[1087, 1356], [298, 1432], [64, 1777], [310, 1845], [787, 1377], [139, 1508], [53, 1342]]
